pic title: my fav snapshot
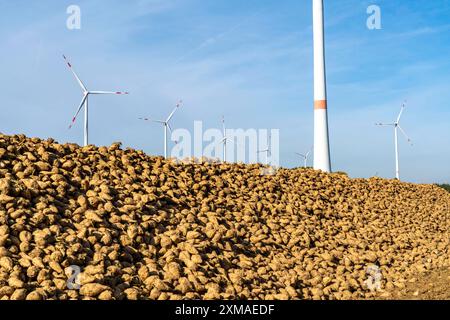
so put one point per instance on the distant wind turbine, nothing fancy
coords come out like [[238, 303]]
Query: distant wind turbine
[[225, 140], [305, 157], [397, 127], [267, 151], [84, 102], [166, 125]]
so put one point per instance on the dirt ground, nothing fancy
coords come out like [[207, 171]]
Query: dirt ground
[[432, 285]]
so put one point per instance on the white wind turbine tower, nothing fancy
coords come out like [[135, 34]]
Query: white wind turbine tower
[[84, 102], [305, 157], [397, 127], [267, 151], [224, 140], [321, 143], [166, 125]]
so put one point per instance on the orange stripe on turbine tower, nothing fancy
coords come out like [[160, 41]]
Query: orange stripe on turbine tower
[[321, 144], [320, 104]]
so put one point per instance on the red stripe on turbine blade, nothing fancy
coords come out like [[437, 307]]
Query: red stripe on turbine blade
[[70, 66]]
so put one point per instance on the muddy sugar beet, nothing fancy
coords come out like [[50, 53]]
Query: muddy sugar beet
[[140, 227]]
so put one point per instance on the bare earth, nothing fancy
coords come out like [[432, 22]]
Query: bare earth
[[432, 285]]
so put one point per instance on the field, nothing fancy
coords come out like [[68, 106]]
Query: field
[[141, 227], [445, 186], [433, 285]]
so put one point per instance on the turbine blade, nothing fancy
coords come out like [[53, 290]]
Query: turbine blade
[[150, 119], [109, 92], [78, 110], [233, 141], [170, 130], [401, 112], [406, 136], [75, 74], [220, 143], [385, 124], [174, 110]]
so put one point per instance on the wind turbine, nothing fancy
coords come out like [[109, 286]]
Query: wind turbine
[[225, 140], [267, 151], [84, 102], [397, 127], [305, 157], [321, 143], [166, 125]]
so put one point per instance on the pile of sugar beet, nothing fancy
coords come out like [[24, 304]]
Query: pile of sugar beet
[[140, 227]]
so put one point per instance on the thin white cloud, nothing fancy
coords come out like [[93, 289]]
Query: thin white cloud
[[427, 30]]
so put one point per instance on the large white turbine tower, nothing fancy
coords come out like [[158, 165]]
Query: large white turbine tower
[[84, 102], [397, 127], [166, 125], [321, 144]]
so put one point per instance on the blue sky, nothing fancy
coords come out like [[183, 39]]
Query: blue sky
[[248, 60]]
